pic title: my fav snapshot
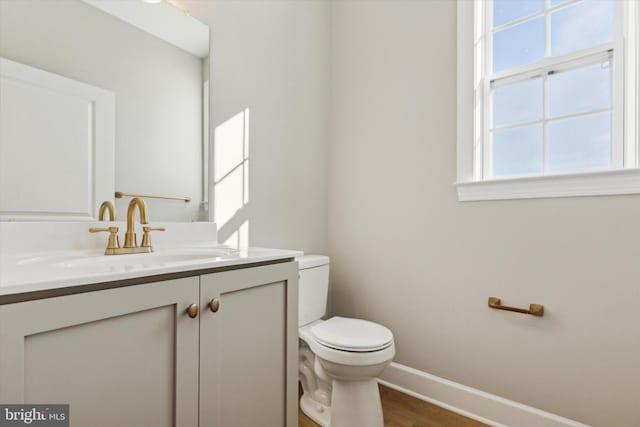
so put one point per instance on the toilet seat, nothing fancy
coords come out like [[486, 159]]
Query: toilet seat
[[356, 335], [346, 356]]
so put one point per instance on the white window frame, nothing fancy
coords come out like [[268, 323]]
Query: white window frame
[[473, 112]]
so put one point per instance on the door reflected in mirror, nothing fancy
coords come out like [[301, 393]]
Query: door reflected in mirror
[[62, 62]]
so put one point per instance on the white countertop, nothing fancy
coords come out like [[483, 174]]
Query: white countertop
[[42, 256], [39, 271]]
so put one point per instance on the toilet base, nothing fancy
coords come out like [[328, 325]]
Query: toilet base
[[319, 413], [356, 403]]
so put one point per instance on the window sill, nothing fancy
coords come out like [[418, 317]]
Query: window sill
[[603, 183]]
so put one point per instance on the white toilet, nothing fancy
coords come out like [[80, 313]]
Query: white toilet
[[340, 358]]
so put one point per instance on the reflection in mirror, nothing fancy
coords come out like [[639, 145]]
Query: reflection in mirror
[[152, 59]]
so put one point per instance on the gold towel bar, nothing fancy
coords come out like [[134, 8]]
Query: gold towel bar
[[534, 309], [120, 194]]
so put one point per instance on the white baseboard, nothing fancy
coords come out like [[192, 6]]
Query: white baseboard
[[476, 404]]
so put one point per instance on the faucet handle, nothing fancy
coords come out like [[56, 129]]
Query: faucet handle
[[113, 242], [146, 237]]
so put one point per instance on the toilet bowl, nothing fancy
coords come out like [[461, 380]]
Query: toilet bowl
[[340, 358]]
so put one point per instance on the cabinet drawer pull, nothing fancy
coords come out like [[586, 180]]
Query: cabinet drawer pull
[[214, 304], [192, 311]]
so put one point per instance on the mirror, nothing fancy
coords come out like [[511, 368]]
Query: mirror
[[98, 97]]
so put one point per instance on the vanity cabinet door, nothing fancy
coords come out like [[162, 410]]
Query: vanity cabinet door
[[249, 347], [119, 357]]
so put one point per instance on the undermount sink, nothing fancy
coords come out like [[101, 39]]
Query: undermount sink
[[97, 262], [153, 258]]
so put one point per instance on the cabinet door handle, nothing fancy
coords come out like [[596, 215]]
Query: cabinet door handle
[[192, 310], [214, 304]]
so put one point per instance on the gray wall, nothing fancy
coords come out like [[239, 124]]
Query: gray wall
[[407, 254], [157, 87]]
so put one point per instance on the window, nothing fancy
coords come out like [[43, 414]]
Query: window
[[547, 98]]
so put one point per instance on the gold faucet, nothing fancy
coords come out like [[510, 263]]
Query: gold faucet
[[130, 241], [130, 235], [107, 206]]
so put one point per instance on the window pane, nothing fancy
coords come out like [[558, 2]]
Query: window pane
[[509, 10], [517, 103], [582, 25], [518, 45], [582, 90], [517, 151], [580, 144]]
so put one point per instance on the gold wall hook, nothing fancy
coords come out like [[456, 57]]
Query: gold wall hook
[[534, 309]]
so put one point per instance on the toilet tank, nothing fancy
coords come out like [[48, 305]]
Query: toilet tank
[[313, 287]]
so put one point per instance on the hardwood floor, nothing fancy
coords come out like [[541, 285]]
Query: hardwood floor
[[401, 410]]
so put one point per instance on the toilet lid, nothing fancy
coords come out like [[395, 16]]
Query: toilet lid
[[347, 334]]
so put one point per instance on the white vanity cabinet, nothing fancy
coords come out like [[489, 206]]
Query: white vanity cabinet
[[249, 348], [126, 356], [133, 356]]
